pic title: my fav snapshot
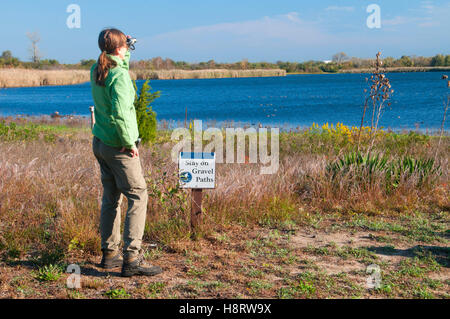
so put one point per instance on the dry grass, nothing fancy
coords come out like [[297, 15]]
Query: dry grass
[[401, 69], [50, 197], [29, 78], [204, 74], [55, 185]]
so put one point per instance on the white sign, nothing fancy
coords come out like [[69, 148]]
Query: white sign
[[197, 170]]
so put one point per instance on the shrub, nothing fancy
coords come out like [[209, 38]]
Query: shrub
[[146, 117], [369, 163], [424, 169], [362, 170], [24, 132], [13, 132]]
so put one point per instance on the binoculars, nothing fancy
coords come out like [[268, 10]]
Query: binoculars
[[131, 42]]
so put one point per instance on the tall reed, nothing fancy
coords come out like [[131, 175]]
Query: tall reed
[[30, 78]]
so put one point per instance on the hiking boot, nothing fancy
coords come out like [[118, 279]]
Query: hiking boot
[[136, 266], [111, 259]]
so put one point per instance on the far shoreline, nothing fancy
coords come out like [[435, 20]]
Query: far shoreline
[[26, 78], [386, 70]]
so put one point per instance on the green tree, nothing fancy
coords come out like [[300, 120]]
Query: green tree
[[438, 60], [406, 61], [146, 117], [388, 62], [447, 60], [48, 62], [87, 64], [7, 59], [329, 67], [182, 65], [7, 55]]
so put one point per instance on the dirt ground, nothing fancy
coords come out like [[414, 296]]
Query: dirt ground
[[302, 262]]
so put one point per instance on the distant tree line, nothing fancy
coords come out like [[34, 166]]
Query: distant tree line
[[159, 63], [7, 60], [343, 62], [340, 61]]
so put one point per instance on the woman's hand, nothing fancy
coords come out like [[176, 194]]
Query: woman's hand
[[134, 151]]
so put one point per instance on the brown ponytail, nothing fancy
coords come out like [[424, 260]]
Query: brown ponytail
[[108, 41]]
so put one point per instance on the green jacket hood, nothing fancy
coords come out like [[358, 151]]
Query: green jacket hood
[[125, 63]]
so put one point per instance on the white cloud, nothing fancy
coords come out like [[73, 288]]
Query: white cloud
[[292, 37], [422, 22], [337, 8], [280, 32], [426, 15], [429, 24], [287, 26], [398, 20], [428, 6]]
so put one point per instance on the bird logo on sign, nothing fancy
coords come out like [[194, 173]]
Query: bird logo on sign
[[185, 177]]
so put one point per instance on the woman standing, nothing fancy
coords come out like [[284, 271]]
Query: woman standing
[[114, 145]]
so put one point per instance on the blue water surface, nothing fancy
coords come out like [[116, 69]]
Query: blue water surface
[[291, 101]]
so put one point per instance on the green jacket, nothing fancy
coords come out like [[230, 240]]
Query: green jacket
[[115, 115]]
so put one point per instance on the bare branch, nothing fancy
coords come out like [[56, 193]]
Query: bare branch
[[34, 38]]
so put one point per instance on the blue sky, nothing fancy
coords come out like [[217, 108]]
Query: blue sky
[[230, 30]]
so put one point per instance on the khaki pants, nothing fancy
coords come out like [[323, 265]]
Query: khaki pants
[[121, 174]]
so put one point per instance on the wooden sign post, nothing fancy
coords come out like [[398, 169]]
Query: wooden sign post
[[196, 208], [197, 171]]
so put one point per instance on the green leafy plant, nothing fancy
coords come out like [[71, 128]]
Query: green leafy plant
[[169, 194], [425, 169], [49, 273], [145, 116], [117, 294], [359, 165], [14, 132], [362, 170], [26, 132], [156, 288]]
